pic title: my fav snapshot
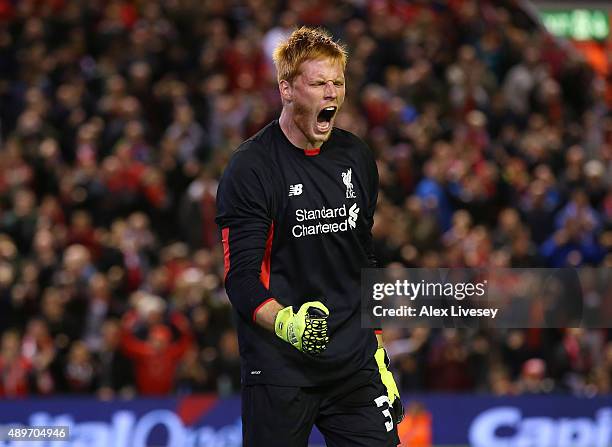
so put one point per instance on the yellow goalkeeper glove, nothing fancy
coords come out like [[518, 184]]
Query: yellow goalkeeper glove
[[383, 362], [306, 330]]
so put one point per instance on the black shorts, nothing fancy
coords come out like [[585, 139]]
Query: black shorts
[[348, 413]]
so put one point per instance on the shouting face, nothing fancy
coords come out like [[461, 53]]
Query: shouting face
[[311, 102]]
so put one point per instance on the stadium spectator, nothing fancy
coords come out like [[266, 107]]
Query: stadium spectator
[[533, 378], [15, 369], [448, 367], [227, 364], [155, 359], [76, 374], [114, 370], [192, 376], [101, 305]]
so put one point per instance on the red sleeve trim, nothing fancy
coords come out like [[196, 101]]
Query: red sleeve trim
[[265, 262], [259, 307], [226, 250]]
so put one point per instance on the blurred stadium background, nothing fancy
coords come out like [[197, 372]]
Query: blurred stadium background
[[492, 125]]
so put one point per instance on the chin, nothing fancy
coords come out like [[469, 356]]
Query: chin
[[318, 139], [317, 135]]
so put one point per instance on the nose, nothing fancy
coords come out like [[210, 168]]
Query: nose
[[331, 91]]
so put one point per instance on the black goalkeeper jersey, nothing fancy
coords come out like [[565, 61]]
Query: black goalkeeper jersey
[[296, 226]]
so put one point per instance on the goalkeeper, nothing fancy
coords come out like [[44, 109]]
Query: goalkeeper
[[295, 208]]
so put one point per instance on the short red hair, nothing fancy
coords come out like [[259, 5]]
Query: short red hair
[[306, 44]]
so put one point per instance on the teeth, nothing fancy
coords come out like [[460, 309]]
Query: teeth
[[330, 109]]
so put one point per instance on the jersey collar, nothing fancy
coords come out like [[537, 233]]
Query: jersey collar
[[312, 152]]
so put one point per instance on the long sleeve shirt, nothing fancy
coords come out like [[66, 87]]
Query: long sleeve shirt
[[296, 226]]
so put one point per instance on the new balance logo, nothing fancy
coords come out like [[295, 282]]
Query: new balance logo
[[353, 213], [295, 190]]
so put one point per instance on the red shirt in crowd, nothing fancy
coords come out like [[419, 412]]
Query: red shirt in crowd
[[14, 377], [156, 359]]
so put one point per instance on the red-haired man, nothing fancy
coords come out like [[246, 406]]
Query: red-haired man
[[295, 208]]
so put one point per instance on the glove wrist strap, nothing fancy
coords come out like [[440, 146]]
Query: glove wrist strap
[[281, 320]]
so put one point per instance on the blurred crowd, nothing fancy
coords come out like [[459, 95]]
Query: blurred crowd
[[117, 117]]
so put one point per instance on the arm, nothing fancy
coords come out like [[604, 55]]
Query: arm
[[133, 347], [245, 208], [179, 347], [130, 344], [266, 315], [244, 204]]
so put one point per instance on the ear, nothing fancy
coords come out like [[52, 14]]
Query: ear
[[286, 90]]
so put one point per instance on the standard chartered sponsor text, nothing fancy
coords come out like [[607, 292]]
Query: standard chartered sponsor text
[[302, 215], [305, 215]]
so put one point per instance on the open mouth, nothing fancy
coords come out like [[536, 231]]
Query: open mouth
[[325, 117]]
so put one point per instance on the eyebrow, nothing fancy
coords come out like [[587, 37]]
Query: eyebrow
[[320, 77]]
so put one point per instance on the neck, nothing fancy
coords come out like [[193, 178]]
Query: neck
[[293, 132]]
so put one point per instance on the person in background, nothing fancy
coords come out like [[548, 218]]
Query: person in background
[[15, 369], [155, 359], [115, 371]]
